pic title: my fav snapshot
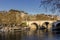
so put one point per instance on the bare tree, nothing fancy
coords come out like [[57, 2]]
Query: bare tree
[[51, 5]]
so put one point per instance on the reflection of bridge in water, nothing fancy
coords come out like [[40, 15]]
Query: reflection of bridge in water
[[43, 23]]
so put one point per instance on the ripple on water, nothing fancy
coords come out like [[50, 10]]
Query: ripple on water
[[30, 35]]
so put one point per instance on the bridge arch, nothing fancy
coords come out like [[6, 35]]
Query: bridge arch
[[45, 25], [58, 26], [35, 24]]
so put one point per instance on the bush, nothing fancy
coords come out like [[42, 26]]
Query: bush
[[23, 24]]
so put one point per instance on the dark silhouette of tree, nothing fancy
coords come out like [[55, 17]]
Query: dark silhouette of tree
[[54, 5], [13, 10]]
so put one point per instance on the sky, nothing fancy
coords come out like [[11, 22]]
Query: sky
[[29, 6]]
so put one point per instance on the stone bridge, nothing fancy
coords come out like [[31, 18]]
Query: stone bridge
[[41, 23]]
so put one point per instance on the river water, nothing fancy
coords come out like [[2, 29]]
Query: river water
[[30, 35]]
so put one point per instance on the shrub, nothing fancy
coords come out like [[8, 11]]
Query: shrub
[[23, 24]]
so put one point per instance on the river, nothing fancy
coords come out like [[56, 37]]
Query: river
[[30, 35]]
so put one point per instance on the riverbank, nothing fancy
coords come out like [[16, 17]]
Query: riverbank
[[8, 29]]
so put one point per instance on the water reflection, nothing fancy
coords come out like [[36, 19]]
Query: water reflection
[[30, 35]]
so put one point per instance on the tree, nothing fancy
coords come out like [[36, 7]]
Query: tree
[[12, 10], [23, 24], [51, 5]]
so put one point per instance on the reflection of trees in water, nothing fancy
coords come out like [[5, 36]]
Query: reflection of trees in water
[[30, 33], [25, 35], [10, 36]]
